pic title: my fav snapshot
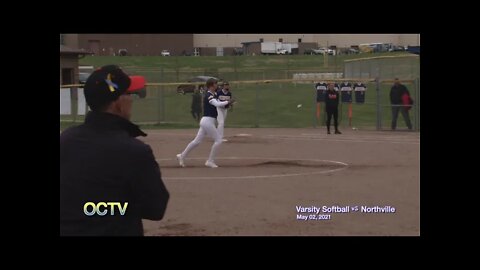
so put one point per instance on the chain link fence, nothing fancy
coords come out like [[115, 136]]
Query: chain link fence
[[277, 104]]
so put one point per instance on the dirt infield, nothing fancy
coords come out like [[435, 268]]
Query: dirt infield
[[265, 174]]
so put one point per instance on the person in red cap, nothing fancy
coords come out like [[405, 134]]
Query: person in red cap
[[103, 165]]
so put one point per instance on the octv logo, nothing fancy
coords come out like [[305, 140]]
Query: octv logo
[[100, 208]]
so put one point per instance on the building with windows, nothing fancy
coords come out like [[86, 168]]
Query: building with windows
[[220, 44]]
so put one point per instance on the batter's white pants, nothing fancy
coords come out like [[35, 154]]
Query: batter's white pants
[[221, 118], [207, 127]]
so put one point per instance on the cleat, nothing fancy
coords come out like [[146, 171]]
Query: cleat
[[211, 164], [180, 160]]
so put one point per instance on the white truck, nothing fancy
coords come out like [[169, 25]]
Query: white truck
[[289, 46], [272, 48]]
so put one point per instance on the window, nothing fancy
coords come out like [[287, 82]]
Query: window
[[261, 39], [280, 40], [299, 40]]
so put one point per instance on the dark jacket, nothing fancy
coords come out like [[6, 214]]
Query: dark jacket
[[102, 161], [331, 100], [396, 94], [196, 102]]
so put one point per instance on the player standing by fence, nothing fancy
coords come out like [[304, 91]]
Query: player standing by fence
[[397, 93]]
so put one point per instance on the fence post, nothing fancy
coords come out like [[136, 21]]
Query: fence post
[[379, 114], [315, 108], [257, 113], [417, 103], [235, 67], [74, 103], [256, 107], [162, 95], [159, 101], [177, 68]]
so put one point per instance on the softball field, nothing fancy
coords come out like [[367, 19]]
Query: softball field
[[268, 179]]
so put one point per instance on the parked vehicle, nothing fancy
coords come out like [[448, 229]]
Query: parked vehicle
[[82, 77], [165, 53], [396, 49], [324, 51], [308, 51], [122, 52], [272, 48], [413, 49], [237, 51]]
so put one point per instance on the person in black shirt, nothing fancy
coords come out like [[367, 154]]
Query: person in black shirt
[[196, 108], [396, 99], [331, 106], [101, 161]]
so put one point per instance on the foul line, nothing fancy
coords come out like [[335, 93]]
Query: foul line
[[286, 137]]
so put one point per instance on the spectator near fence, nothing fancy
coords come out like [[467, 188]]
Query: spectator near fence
[[196, 108], [401, 102]]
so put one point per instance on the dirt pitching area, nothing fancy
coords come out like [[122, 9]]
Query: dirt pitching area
[[290, 182]]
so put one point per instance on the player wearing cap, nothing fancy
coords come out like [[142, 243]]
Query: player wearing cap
[[102, 161], [207, 125], [223, 94]]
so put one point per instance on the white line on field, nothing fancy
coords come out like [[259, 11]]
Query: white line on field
[[345, 165], [282, 137]]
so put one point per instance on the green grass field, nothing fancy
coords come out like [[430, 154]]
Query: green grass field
[[259, 105], [181, 68]]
